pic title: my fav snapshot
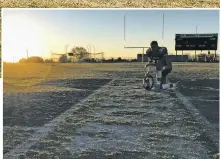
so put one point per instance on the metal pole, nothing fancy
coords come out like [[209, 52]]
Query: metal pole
[[176, 56], [102, 57], [124, 29], [195, 55], [182, 55], [163, 30], [89, 48], [94, 51], [215, 56], [143, 56], [66, 51], [27, 53], [72, 48], [67, 48], [195, 50]]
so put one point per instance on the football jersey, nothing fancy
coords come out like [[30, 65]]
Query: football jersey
[[162, 60], [158, 54]]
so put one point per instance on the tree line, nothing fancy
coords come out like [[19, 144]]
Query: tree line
[[77, 53], [37, 59]]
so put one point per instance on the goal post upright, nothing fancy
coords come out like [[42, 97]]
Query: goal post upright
[[142, 47], [99, 53], [132, 47]]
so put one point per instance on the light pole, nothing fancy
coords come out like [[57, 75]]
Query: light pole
[[73, 47], [94, 51], [89, 48], [27, 53], [143, 56], [102, 57], [66, 48]]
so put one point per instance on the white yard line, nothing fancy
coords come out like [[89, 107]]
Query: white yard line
[[43, 131], [47, 128], [25, 128], [203, 100], [211, 131]]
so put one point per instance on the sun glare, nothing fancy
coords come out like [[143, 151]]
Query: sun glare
[[21, 34]]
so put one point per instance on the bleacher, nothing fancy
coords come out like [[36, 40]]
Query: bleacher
[[173, 58]]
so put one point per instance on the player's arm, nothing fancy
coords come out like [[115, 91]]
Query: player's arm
[[168, 64], [150, 61], [164, 53], [149, 55]]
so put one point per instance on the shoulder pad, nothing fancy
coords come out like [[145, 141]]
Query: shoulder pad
[[148, 52]]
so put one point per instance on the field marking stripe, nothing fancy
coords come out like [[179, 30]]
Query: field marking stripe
[[211, 131], [48, 127], [25, 128], [204, 100]]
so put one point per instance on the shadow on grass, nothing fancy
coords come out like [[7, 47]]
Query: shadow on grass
[[36, 109]]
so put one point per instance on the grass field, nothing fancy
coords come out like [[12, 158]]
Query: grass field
[[26, 77], [102, 111], [110, 4]]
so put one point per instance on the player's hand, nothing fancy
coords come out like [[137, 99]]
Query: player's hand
[[164, 67]]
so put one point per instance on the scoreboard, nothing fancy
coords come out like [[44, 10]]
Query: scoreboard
[[196, 41]]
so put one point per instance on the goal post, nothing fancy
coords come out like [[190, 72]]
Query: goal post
[[98, 57], [139, 47], [55, 57]]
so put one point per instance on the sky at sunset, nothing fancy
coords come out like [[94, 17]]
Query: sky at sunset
[[43, 31]]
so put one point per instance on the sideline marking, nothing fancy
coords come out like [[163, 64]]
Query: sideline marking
[[42, 131], [211, 131]]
